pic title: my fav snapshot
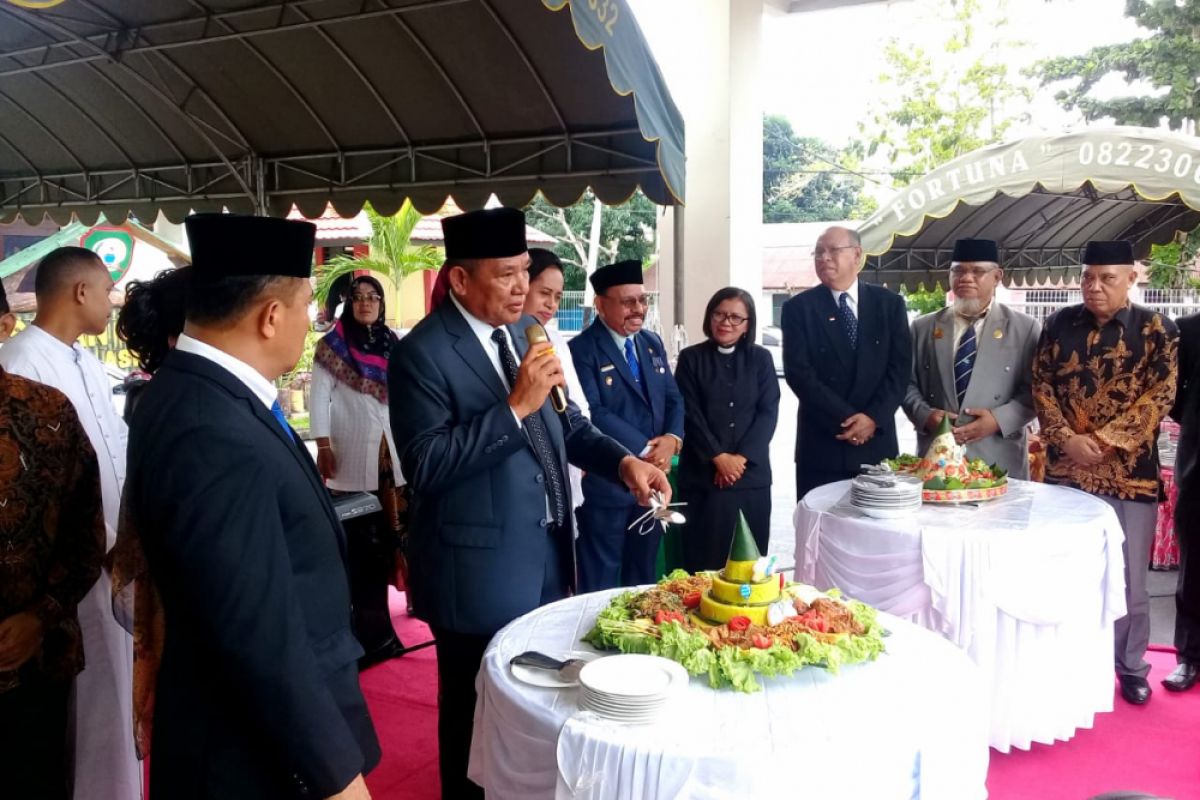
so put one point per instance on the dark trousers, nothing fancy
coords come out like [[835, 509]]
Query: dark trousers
[[459, 656], [33, 737], [1187, 591], [712, 515], [809, 479], [609, 554]]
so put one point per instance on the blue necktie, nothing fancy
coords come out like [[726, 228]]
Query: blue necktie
[[964, 363], [631, 359], [277, 412], [849, 321]]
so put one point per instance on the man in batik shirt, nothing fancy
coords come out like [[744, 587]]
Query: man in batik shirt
[[1103, 379], [51, 546]]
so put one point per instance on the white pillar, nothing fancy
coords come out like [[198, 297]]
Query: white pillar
[[711, 64]]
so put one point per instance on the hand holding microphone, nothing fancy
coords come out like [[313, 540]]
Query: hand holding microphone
[[536, 335], [539, 374]]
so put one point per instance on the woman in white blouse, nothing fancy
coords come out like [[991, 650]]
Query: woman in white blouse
[[349, 414], [545, 294]]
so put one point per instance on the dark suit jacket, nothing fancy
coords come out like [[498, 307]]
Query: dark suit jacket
[[478, 541], [618, 406], [834, 381], [1187, 414], [738, 419], [258, 692]]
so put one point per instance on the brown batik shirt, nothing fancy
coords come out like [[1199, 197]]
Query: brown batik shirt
[[51, 521], [1113, 383]]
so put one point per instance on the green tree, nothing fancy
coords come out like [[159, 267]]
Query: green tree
[[922, 300], [392, 253], [937, 105], [807, 180], [627, 231], [1167, 61], [1173, 265]]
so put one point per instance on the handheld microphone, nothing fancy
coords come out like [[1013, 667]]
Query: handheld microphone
[[536, 334]]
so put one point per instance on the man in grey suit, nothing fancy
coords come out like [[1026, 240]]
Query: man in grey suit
[[490, 526], [974, 361]]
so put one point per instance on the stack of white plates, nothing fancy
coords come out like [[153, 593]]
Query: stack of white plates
[[630, 687], [886, 497]]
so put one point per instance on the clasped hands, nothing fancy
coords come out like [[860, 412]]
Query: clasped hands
[[1083, 450], [983, 426], [857, 429]]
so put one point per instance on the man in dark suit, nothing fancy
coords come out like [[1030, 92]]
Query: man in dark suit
[[490, 529], [847, 354], [632, 396], [257, 694], [1187, 509]]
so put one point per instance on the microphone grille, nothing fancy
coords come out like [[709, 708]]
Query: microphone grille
[[535, 334]]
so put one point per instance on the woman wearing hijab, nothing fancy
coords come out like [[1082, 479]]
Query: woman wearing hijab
[[731, 396], [546, 284], [349, 414]]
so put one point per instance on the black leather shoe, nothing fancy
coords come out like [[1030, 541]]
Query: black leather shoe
[[1182, 678], [1134, 689]]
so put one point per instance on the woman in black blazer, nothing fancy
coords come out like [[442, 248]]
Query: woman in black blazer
[[731, 399]]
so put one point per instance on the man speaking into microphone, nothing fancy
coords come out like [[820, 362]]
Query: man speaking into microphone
[[490, 526]]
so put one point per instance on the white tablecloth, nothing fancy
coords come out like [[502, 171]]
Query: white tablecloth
[[912, 724], [1029, 586]]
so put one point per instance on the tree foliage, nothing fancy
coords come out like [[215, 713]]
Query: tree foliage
[[1173, 265], [627, 231], [807, 180], [1167, 59], [392, 253], [937, 105]]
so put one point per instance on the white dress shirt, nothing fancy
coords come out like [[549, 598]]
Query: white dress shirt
[[852, 299], [483, 332], [960, 325], [254, 380], [621, 339]]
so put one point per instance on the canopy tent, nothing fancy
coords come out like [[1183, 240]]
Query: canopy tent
[[1041, 199], [136, 106]]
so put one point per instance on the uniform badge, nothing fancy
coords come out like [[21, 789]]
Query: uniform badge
[[937, 333], [997, 334], [608, 380]]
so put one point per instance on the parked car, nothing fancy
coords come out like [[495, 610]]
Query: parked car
[[772, 339]]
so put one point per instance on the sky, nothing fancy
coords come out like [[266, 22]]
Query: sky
[[820, 69]]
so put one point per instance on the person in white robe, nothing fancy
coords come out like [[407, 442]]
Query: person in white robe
[[72, 286]]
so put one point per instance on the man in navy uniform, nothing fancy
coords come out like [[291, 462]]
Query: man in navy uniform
[[490, 527], [847, 354], [632, 396], [257, 695]]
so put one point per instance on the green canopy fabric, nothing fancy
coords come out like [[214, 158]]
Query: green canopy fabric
[[1041, 198], [136, 107]]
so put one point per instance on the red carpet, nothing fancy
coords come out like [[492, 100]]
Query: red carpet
[[402, 696], [1153, 749]]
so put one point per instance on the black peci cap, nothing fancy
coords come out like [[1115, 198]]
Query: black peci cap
[[233, 245]]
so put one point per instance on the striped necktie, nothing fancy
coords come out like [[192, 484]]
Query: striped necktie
[[635, 369], [964, 362]]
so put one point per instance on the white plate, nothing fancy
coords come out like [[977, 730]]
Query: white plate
[[888, 513], [632, 675], [632, 706], [548, 678]]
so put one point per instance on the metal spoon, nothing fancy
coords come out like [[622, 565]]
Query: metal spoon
[[568, 671]]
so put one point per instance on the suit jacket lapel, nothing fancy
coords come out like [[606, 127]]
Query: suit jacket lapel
[[985, 344], [654, 393], [831, 323], [943, 350], [471, 350], [241, 392]]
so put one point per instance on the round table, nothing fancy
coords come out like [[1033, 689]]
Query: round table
[[1029, 586], [911, 724]]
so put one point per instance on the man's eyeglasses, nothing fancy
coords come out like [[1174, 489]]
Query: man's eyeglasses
[[365, 298], [733, 319], [827, 252], [631, 303], [961, 271]]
